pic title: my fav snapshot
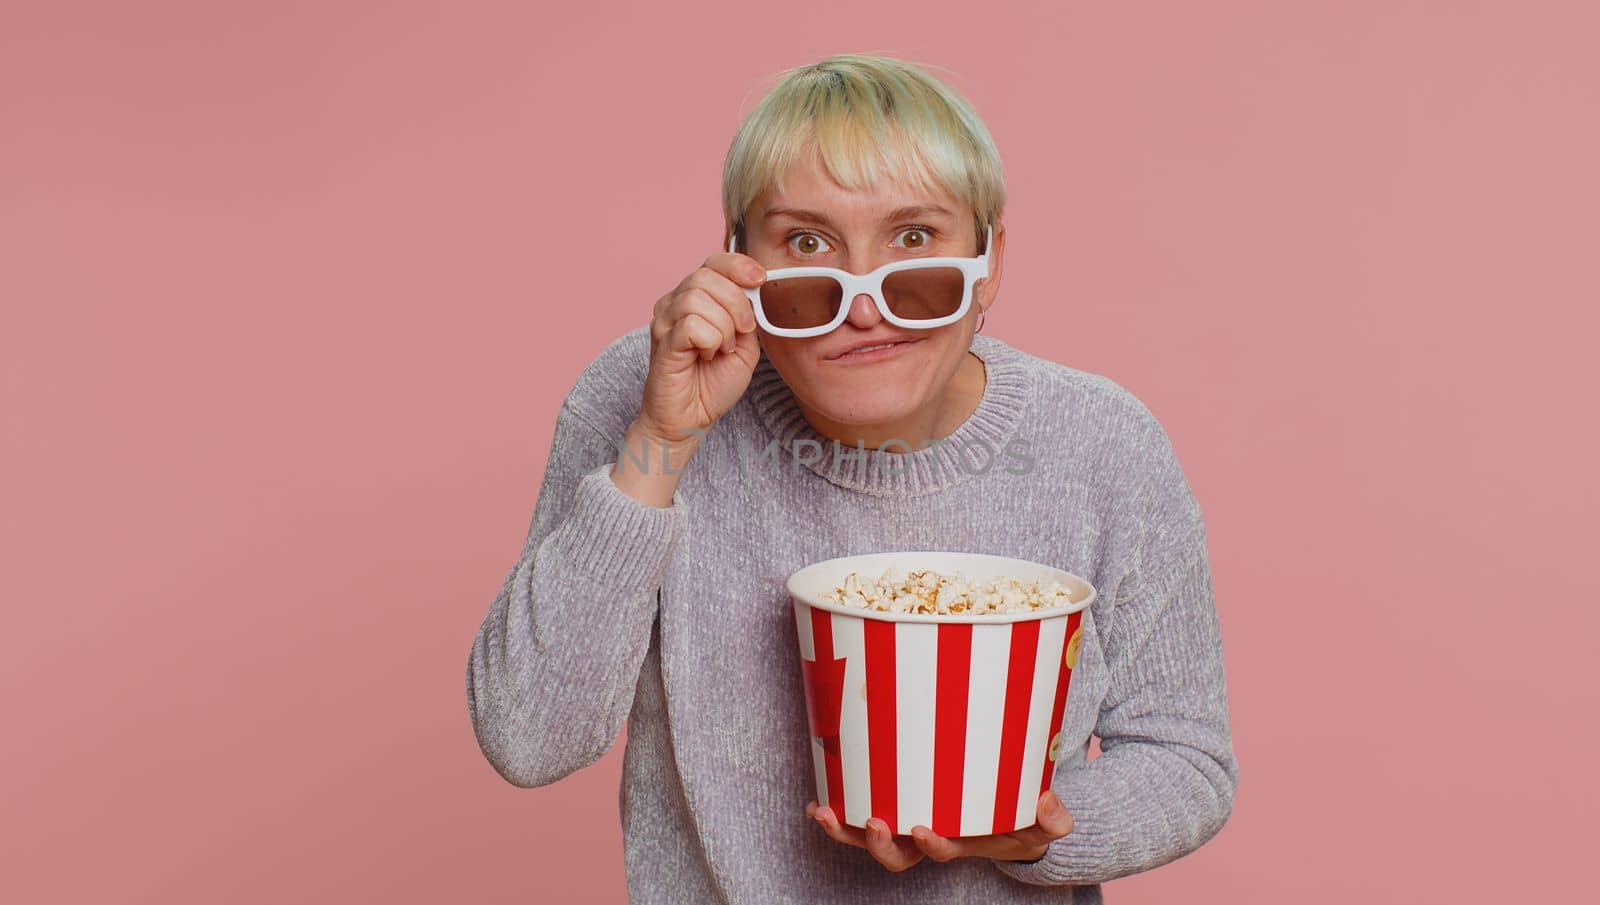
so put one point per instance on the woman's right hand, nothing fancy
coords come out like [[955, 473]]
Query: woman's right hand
[[703, 350]]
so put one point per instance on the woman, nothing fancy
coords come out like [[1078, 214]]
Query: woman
[[698, 462]]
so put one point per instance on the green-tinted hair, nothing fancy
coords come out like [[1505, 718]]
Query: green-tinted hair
[[869, 118]]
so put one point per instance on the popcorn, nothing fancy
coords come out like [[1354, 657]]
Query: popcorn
[[928, 592]]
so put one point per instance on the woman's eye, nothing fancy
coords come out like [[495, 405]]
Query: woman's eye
[[807, 243], [921, 242]]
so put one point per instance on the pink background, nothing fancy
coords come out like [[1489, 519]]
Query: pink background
[[291, 294]]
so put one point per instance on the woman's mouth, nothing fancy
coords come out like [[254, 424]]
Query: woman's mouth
[[876, 352]]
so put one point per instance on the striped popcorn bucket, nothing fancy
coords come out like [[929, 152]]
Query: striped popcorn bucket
[[951, 722]]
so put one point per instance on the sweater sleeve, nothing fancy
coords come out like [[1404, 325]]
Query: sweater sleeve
[[1165, 780], [555, 663]]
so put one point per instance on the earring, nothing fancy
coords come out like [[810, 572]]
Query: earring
[[980, 322]]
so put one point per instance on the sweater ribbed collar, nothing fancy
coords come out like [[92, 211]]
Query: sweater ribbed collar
[[976, 446]]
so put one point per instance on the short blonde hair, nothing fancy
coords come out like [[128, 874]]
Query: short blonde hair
[[867, 117]]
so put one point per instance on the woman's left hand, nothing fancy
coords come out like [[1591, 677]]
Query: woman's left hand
[[900, 852]]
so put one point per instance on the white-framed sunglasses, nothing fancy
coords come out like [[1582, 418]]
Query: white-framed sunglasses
[[919, 293]]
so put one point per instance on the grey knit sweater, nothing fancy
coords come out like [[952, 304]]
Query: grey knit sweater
[[676, 619]]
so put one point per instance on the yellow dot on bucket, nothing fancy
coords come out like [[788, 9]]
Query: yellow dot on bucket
[[1072, 648], [1055, 746]]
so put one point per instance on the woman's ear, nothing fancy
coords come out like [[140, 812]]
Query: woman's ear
[[988, 287]]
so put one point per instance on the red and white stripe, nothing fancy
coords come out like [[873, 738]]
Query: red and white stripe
[[967, 756]]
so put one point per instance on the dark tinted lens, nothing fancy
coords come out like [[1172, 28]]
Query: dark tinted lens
[[793, 303], [924, 293]]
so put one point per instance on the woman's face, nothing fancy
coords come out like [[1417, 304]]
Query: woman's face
[[816, 222]]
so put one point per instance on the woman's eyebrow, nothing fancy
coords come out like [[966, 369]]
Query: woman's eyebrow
[[902, 213]]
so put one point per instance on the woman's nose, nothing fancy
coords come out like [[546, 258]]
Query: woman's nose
[[863, 312]]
